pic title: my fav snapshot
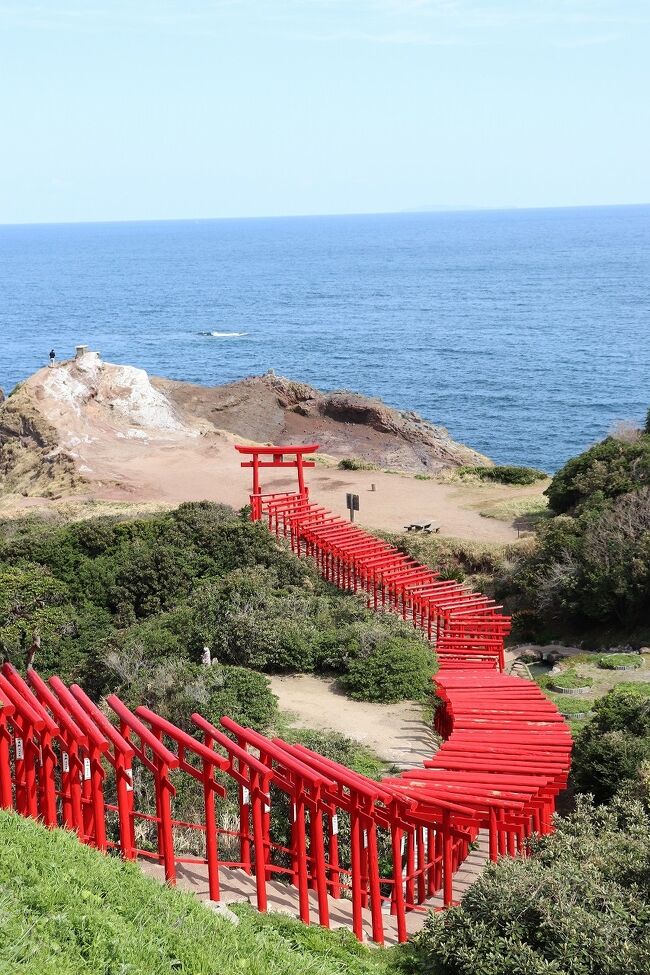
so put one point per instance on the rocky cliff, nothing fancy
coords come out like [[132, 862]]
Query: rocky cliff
[[85, 424], [272, 409]]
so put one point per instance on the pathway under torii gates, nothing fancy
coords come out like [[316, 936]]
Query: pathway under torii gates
[[466, 627], [309, 836]]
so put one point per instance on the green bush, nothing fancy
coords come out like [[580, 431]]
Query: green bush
[[614, 661], [591, 568], [354, 464], [509, 474], [150, 590], [580, 905], [590, 561], [33, 604], [603, 472], [249, 619], [175, 689], [612, 748], [141, 567], [338, 748], [394, 669], [570, 680]]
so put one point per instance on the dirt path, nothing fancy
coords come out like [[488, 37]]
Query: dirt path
[[394, 732]]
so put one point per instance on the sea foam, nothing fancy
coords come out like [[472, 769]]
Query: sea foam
[[223, 335]]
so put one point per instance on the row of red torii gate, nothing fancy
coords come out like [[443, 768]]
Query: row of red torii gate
[[385, 850]]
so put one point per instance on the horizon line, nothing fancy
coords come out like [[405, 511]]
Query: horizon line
[[424, 210]]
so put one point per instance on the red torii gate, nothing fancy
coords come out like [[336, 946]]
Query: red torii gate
[[276, 457], [503, 762]]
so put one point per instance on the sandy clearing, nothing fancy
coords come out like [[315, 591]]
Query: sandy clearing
[[208, 468], [394, 732]]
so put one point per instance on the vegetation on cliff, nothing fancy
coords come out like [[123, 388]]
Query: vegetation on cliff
[[590, 565], [584, 573]]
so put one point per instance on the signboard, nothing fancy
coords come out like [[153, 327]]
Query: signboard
[[352, 504]]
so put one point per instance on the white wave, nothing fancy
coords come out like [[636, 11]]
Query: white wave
[[224, 335]]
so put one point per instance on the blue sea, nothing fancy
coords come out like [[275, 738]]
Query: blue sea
[[526, 333]]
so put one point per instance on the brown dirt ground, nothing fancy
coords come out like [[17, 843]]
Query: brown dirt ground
[[167, 475], [396, 733]]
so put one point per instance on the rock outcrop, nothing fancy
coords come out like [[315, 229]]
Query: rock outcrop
[[272, 409], [56, 419], [32, 460], [83, 424]]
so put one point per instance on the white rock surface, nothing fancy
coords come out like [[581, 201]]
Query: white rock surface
[[122, 395]]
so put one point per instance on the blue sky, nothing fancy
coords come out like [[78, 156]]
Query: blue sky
[[135, 109]]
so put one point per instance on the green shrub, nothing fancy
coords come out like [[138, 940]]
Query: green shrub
[[591, 568], [150, 590], [354, 464], [394, 669], [580, 905], [338, 748], [175, 689], [614, 661], [603, 472], [588, 565], [248, 618], [570, 680], [33, 604], [508, 474], [613, 747]]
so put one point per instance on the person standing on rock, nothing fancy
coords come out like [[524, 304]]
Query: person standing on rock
[[52, 356]]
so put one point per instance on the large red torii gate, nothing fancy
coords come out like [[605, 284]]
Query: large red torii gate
[[273, 456]]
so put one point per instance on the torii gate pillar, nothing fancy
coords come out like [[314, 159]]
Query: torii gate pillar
[[275, 457]]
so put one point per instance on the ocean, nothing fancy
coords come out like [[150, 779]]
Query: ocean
[[526, 333]]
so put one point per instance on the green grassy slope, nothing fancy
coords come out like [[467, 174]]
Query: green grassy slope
[[68, 910]]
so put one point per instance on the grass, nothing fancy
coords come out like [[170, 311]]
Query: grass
[[612, 661], [571, 705], [602, 681], [532, 508], [508, 474], [69, 910], [333, 745]]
